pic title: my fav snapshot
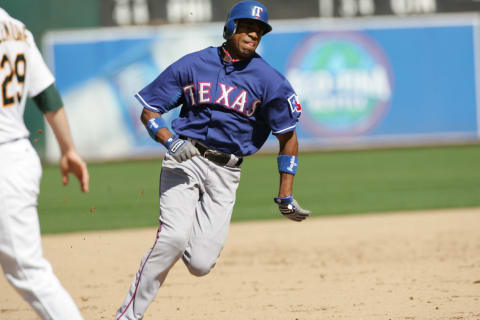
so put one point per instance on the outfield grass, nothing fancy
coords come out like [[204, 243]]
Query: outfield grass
[[125, 194]]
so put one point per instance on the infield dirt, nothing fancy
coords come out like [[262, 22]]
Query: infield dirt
[[415, 265]]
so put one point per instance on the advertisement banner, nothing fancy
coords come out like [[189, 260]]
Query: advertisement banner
[[384, 83], [387, 85]]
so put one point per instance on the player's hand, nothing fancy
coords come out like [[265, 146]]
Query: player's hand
[[71, 162], [182, 150], [290, 208]]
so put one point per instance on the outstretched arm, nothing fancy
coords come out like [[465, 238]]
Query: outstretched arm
[[70, 161]]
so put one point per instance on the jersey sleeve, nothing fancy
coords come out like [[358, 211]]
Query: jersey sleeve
[[165, 92], [40, 76], [283, 109]]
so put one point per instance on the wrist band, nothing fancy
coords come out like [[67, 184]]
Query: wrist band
[[287, 163], [155, 124], [283, 200], [169, 141]]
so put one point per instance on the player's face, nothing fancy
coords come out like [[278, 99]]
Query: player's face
[[246, 38]]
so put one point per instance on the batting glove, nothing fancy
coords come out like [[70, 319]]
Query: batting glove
[[180, 149], [290, 208]]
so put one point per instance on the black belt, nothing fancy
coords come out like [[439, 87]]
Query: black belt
[[219, 157]]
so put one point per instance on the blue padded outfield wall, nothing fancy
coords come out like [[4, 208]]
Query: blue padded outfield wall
[[361, 83]]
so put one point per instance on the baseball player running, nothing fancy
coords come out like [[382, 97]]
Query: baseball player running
[[231, 100], [23, 73]]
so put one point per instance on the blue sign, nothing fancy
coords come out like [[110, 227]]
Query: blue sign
[[391, 84], [368, 86]]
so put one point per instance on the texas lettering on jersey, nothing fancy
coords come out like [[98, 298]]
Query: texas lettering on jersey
[[228, 96], [229, 107]]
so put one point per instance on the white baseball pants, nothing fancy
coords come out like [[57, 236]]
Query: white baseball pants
[[196, 203], [21, 254]]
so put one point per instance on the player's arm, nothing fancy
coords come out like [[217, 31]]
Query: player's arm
[[287, 161], [50, 103], [156, 126], [288, 143], [159, 97]]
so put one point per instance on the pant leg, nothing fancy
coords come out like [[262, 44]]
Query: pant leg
[[154, 268], [213, 217], [21, 253], [179, 194]]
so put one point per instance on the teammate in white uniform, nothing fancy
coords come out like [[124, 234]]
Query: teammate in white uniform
[[23, 73]]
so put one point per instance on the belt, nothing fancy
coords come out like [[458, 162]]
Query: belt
[[219, 157]]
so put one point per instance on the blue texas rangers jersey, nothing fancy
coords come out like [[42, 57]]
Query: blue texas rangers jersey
[[231, 107]]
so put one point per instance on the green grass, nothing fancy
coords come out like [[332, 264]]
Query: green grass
[[125, 194]]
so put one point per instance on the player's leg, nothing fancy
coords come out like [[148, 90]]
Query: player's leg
[[212, 222], [21, 254], [179, 194]]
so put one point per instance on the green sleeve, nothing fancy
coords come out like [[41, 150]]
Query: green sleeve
[[48, 100]]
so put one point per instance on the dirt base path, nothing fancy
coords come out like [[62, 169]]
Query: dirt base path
[[416, 265]]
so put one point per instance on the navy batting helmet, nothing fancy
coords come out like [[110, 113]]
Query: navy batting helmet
[[246, 10]]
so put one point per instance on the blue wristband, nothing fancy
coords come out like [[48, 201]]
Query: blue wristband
[[155, 124], [283, 200], [169, 141], [287, 163]]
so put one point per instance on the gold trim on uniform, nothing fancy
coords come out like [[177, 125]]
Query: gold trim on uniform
[[12, 31]]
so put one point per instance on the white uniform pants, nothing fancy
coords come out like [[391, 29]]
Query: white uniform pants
[[21, 254], [196, 203]]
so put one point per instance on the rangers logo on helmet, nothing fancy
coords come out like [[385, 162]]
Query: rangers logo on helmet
[[257, 11]]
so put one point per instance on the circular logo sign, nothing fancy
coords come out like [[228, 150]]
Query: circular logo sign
[[344, 82]]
